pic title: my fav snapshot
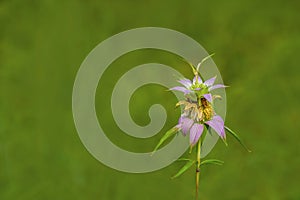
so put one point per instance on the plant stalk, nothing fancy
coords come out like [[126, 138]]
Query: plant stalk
[[198, 167]]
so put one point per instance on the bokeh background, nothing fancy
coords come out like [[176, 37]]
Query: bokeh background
[[42, 44]]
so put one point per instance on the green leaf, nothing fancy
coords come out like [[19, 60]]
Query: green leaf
[[212, 161], [237, 138], [184, 159], [203, 60], [191, 65], [184, 168], [193, 68], [167, 135]]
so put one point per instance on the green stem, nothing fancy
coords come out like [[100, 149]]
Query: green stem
[[198, 167]]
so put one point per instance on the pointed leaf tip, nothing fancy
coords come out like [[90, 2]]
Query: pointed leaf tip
[[225, 142], [184, 168], [167, 135], [212, 161], [203, 60], [184, 159], [237, 138]]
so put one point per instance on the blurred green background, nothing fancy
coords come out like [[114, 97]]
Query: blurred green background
[[42, 44]]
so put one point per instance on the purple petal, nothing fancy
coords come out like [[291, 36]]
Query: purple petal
[[217, 124], [216, 87], [195, 133], [211, 81], [199, 80], [219, 119], [208, 97], [180, 120], [186, 124], [186, 82], [181, 89], [182, 116]]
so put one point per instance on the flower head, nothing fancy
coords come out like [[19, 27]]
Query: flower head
[[195, 116], [199, 113], [198, 87]]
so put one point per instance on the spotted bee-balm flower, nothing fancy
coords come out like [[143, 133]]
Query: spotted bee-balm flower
[[200, 112], [198, 116]]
